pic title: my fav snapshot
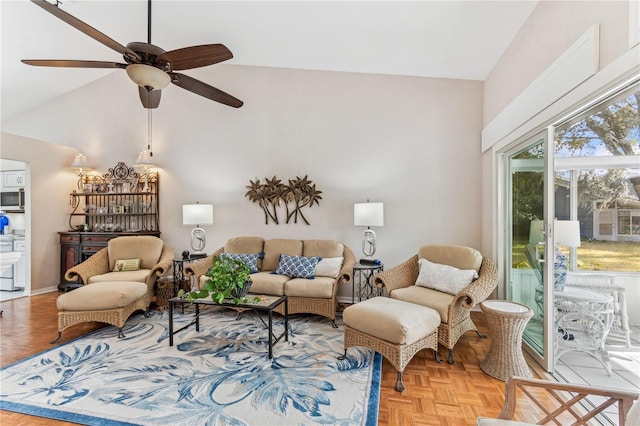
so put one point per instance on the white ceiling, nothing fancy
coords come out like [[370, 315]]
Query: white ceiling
[[451, 39]]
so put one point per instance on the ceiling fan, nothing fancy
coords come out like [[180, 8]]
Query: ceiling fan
[[149, 66]]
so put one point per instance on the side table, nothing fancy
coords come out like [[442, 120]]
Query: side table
[[362, 273], [178, 272], [506, 321]]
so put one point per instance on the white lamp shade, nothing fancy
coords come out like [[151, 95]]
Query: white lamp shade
[[368, 214], [197, 214], [567, 233], [148, 76], [144, 159], [80, 162], [535, 232]]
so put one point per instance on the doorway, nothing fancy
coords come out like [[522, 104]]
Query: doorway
[[16, 282], [526, 211]]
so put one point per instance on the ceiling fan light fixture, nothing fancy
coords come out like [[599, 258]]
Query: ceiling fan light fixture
[[148, 77]]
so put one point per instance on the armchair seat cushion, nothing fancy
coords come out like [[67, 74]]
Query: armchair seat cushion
[[139, 276], [430, 298], [319, 287]]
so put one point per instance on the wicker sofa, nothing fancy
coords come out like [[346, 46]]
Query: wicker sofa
[[315, 296], [454, 307]]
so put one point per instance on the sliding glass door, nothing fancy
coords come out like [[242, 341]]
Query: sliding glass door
[[527, 184]]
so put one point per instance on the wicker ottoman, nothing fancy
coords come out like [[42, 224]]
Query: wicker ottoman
[[109, 302], [395, 329]]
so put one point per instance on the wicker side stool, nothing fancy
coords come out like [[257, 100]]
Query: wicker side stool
[[107, 302], [395, 329], [506, 322]]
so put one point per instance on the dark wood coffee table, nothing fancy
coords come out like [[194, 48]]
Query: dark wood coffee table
[[266, 303]]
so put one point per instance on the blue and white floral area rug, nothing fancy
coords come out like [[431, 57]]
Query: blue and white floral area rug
[[220, 375]]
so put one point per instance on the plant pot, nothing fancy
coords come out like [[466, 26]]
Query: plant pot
[[237, 293]]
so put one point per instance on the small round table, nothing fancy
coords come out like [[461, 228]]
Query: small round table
[[506, 321]]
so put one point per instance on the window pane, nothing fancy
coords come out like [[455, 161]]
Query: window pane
[[606, 190]]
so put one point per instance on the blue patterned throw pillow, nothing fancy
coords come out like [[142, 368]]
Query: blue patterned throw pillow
[[297, 266], [251, 259]]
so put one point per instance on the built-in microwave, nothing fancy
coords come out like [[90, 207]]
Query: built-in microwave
[[12, 200]]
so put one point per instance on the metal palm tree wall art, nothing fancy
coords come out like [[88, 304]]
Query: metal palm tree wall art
[[272, 193]]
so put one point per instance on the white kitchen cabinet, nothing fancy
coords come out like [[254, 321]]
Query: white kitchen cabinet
[[13, 179]]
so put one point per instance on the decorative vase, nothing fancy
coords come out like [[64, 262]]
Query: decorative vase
[[238, 293]]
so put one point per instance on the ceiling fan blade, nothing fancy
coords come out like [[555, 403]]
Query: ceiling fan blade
[[196, 56], [203, 89], [149, 98], [72, 63], [87, 29]]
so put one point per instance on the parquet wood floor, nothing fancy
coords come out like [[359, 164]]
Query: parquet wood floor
[[436, 394]]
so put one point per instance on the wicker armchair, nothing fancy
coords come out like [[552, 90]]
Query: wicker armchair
[[562, 403], [455, 314], [156, 259]]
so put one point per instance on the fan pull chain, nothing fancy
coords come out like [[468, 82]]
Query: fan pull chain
[[149, 131]]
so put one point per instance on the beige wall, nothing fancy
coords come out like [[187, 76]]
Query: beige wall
[[551, 29], [49, 183], [413, 143]]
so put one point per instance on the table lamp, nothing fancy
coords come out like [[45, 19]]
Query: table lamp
[[368, 214], [197, 214], [566, 233]]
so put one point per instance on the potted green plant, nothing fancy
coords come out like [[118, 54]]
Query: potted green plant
[[227, 279]]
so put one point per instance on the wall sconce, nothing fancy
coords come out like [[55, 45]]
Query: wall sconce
[[368, 214], [197, 214], [80, 163]]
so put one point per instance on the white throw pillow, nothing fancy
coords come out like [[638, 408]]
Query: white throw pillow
[[444, 278], [329, 267]]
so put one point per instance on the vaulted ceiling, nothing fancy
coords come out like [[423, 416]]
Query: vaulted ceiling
[[449, 39]]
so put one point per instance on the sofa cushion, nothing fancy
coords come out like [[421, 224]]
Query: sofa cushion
[[268, 283], [275, 247], [139, 276], [249, 259], [433, 299], [322, 248], [458, 256], [319, 288], [392, 320], [244, 245], [239, 245], [444, 277], [329, 267], [147, 248], [297, 266], [100, 296]]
